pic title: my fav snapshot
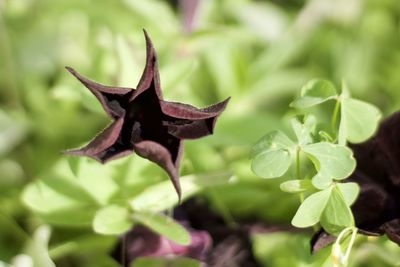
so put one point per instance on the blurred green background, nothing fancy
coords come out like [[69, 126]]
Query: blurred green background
[[258, 52]]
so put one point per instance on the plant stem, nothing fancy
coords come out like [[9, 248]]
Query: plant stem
[[298, 171], [335, 115], [338, 257]]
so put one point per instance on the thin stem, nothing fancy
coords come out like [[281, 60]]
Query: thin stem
[[353, 238], [335, 115], [338, 257], [298, 171]]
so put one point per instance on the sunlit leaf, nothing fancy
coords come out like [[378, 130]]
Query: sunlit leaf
[[337, 214], [296, 186], [37, 247], [315, 92], [163, 225], [271, 155], [349, 191], [303, 130], [112, 220], [360, 119], [311, 209], [332, 162], [158, 197]]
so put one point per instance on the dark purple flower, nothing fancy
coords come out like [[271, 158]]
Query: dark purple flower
[[377, 209], [142, 242], [146, 124]]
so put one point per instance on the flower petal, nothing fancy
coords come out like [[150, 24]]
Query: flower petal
[[150, 78], [187, 129], [110, 97], [188, 112], [162, 156], [98, 146]]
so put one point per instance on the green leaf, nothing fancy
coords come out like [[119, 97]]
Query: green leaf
[[112, 220], [337, 214], [311, 209], [331, 161], [315, 92], [37, 249], [163, 225], [303, 130], [163, 262], [360, 119], [296, 186], [158, 197], [349, 191], [271, 155], [74, 163]]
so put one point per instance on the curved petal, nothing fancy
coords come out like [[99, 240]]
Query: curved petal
[[190, 129], [98, 146], [188, 112], [110, 97], [160, 155], [150, 78]]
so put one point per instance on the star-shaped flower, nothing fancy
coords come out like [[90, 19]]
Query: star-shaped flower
[[377, 209], [146, 124]]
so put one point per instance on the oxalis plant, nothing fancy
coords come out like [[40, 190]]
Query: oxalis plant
[[314, 158], [316, 163]]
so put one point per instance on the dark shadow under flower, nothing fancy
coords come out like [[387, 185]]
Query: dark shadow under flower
[[146, 124], [377, 209]]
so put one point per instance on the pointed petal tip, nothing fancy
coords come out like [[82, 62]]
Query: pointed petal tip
[[149, 43], [71, 70]]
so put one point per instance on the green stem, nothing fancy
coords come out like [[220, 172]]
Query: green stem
[[335, 115], [338, 257], [298, 171]]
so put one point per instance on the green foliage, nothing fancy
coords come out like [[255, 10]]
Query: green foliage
[[333, 162], [112, 220], [259, 52], [154, 262], [310, 211], [337, 214], [359, 119], [163, 225], [272, 155], [314, 93], [328, 201]]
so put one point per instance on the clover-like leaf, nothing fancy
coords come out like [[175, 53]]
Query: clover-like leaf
[[331, 161], [296, 186], [303, 130], [311, 209], [272, 155], [349, 191], [315, 92], [337, 214], [359, 120], [112, 220], [163, 225]]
